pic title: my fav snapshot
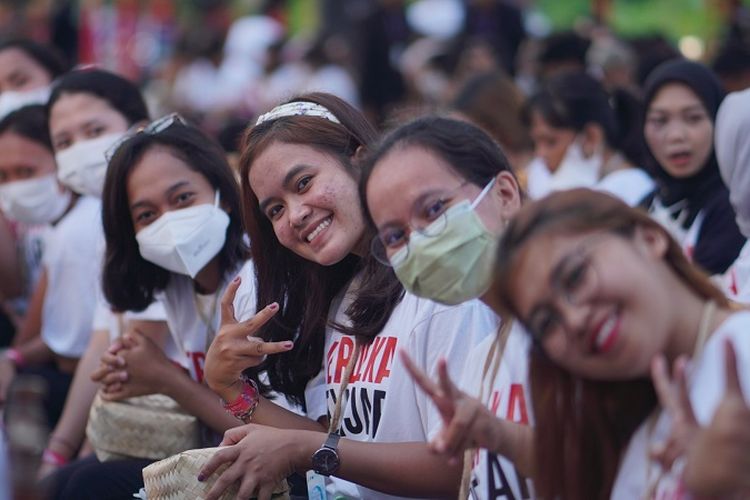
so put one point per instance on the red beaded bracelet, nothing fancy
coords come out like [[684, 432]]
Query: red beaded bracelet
[[244, 406], [53, 458], [15, 356]]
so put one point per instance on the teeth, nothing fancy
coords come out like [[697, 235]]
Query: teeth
[[605, 331], [317, 230]]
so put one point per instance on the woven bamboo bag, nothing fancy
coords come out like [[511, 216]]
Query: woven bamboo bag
[[153, 427], [176, 478]]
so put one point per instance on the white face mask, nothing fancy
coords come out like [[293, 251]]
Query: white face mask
[[575, 170], [184, 241], [34, 201], [83, 166], [11, 100]]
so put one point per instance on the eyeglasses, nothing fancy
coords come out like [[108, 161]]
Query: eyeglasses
[[576, 280], [428, 217], [155, 127]]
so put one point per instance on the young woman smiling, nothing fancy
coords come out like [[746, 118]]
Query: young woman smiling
[[608, 296], [346, 314]]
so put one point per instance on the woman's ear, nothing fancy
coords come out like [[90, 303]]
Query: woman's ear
[[654, 240], [593, 139], [359, 154], [508, 194]]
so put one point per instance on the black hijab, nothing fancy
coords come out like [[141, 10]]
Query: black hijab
[[703, 185], [719, 239]]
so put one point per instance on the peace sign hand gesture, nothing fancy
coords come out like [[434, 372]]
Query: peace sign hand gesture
[[236, 346], [675, 400], [718, 462], [467, 423]]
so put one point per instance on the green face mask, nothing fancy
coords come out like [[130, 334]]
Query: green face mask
[[455, 265]]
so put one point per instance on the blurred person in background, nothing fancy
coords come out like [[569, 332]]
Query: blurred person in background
[[384, 34], [579, 132], [681, 99], [732, 66], [733, 157], [56, 330], [500, 25], [493, 102], [613, 62], [562, 52], [26, 72]]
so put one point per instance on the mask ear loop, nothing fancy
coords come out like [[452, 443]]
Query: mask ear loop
[[216, 199], [483, 193]]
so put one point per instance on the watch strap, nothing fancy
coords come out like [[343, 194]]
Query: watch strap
[[332, 441]]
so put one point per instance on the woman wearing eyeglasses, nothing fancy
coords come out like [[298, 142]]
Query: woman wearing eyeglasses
[[456, 193], [609, 298], [347, 316]]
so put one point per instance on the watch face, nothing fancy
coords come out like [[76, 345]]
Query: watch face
[[325, 461]]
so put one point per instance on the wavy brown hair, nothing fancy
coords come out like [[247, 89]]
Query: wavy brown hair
[[583, 426], [305, 289]]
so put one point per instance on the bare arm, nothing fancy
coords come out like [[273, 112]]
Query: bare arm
[[11, 278], [32, 323], [71, 428], [260, 456]]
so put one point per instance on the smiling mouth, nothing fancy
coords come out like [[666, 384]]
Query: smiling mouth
[[321, 227], [606, 335]]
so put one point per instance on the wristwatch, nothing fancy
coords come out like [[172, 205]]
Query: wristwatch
[[325, 460]]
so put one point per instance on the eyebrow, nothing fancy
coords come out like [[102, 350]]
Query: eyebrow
[[288, 178], [692, 107], [419, 200], [174, 187]]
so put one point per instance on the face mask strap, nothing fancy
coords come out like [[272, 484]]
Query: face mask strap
[[484, 192], [216, 199]]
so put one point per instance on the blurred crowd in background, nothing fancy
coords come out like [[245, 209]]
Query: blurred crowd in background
[[220, 62]]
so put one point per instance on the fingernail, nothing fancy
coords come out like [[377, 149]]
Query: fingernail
[[236, 279], [274, 306], [288, 345], [201, 477]]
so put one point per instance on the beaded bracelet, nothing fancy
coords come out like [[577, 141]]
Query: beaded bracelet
[[53, 458], [244, 406], [16, 357]]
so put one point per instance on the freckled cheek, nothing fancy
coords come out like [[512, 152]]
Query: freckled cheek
[[284, 233]]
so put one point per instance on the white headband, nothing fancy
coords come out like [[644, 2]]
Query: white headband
[[298, 108]]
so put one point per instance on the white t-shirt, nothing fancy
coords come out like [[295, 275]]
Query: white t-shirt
[[194, 318], [72, 259], [631, 185], [687, 238], [494, 477], [30, 243], [706, 382], [384, 404]]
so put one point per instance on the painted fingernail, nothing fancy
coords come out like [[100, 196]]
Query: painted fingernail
[[288, 345], [273, 306], [201, 477], [236, 279]]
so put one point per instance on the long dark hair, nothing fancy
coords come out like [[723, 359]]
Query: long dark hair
[[305, 289], [466, 148], [583, 426], [129, 281]]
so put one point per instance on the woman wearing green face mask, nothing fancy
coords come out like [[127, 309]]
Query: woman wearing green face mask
[[455, 194]]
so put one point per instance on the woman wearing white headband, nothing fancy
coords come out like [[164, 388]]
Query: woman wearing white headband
[[347, 316]]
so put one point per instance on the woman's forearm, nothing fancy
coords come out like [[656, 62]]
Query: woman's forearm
[[515, 442], [70, 430], [403, 469], [270, 414]]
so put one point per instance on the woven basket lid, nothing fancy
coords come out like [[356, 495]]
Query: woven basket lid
[[176, 478]]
